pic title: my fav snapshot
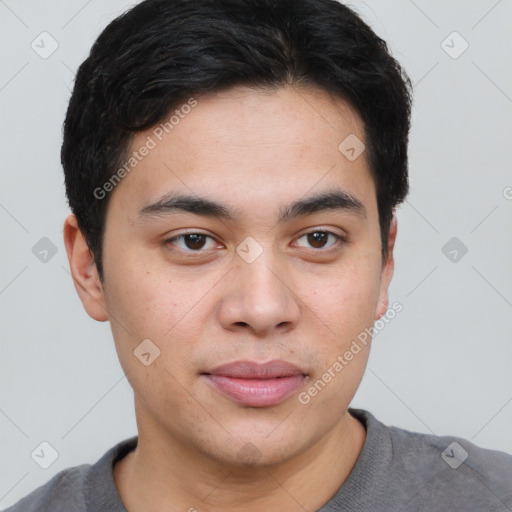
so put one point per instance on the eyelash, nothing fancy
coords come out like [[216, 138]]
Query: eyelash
[[340, 240]]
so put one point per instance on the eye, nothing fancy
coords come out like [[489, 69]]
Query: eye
[[193, 242], [318, 239]]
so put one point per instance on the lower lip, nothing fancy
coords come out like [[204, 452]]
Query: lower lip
[[257, 392]]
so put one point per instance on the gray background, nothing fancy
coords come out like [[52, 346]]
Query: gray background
[[443, 365]]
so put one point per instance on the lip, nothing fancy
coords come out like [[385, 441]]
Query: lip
[[257, 384]]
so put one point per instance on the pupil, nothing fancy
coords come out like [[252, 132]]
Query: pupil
[[316, 237], [197, 241]]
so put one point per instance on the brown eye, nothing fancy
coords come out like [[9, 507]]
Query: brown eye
[[194, 241], [191, 242], [319, 239]]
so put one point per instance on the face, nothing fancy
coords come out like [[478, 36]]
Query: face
[[220, 296]]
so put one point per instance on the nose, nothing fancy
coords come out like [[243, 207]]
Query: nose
[[259, 298]]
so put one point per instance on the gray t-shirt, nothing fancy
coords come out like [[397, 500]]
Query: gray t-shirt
[[397, 470]]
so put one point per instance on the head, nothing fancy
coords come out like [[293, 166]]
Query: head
[[286, 126]]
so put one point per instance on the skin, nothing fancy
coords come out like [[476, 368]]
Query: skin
[[302, 302]]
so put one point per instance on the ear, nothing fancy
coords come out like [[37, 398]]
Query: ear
[[387, 272], [84, 272]]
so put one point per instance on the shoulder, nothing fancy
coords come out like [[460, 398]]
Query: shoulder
[[453, 468], [423, 472], [64, 492], [84, 488], [452, 450]]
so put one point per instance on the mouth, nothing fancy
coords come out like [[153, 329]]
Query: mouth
[[254, 384]]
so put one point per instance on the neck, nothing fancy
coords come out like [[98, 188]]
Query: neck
[[162, 474]]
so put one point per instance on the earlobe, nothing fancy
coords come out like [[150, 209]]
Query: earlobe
[[83, 270], [387, 272]]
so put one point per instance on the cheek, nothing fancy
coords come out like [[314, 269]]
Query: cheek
[[146, 297], [345, 313], [143, 308], [150, 303], [346, 300]]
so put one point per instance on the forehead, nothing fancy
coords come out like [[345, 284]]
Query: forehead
[[249, 146]]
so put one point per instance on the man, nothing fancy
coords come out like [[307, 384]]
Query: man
[[233, 169]]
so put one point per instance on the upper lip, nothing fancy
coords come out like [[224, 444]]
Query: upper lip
[[255, 370]]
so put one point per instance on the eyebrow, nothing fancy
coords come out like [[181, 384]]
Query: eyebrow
[[331, 200]]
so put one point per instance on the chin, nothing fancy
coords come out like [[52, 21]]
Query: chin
[[249, 449]]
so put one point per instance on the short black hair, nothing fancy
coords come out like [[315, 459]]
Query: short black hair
[[161, 53]]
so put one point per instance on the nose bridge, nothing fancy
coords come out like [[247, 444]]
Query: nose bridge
[[262, 279], [264, 299]]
